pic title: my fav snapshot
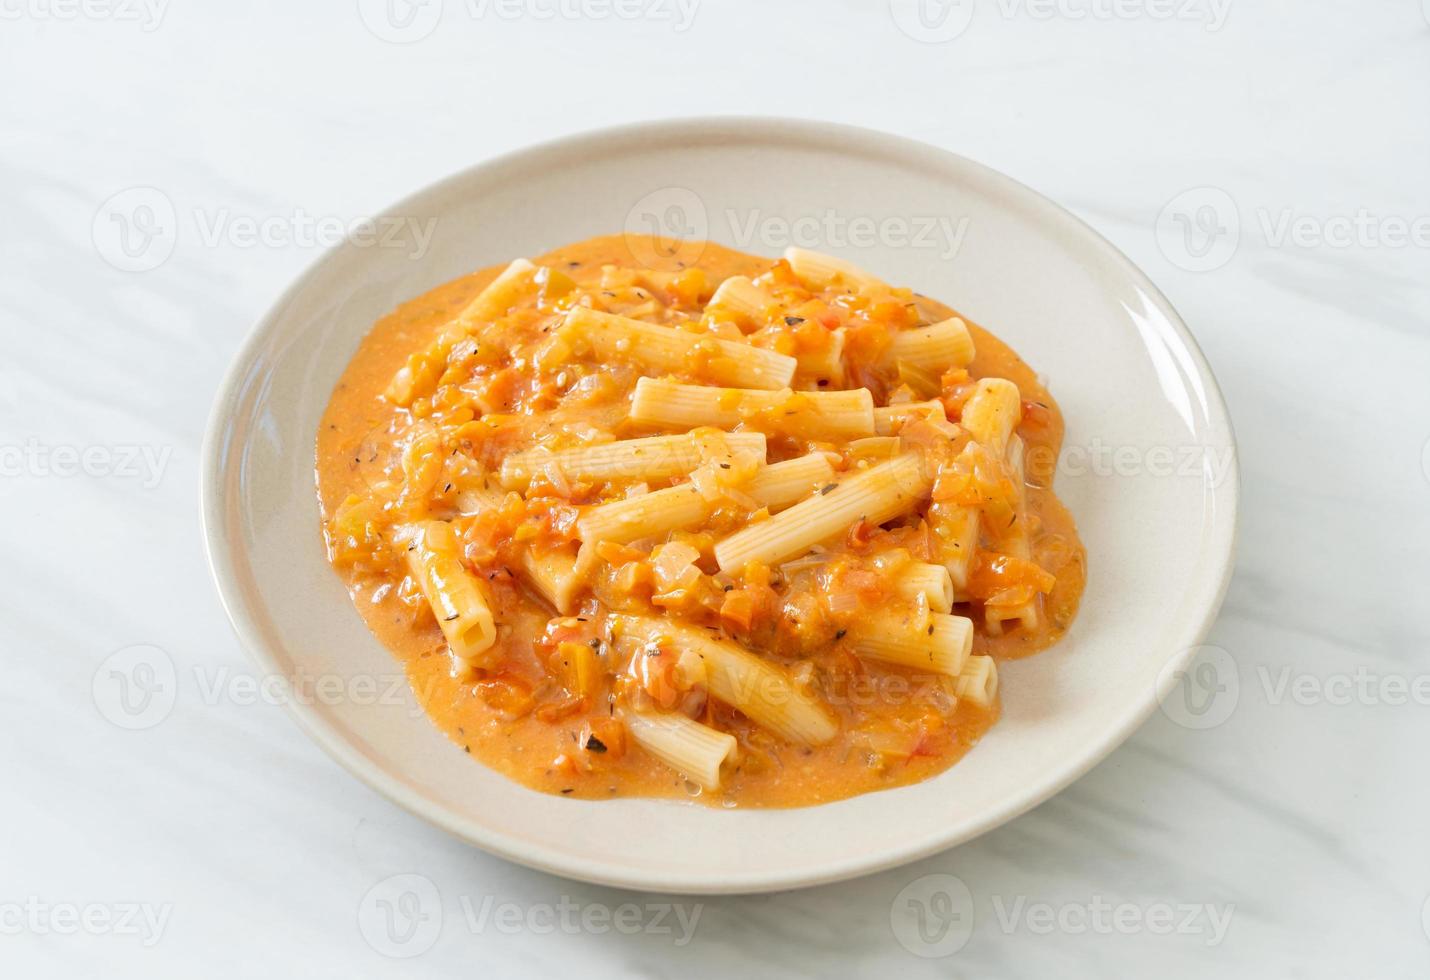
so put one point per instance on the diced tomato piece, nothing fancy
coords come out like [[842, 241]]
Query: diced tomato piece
[[738, 609], [605, 737], [554, 711], [506, 693], [657, 676], [994, 573]]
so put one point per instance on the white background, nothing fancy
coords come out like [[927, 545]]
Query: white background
[[1303, 129]]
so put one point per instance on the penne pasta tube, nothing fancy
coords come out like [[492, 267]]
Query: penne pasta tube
[[890, 625], [991, 414], [934, 348], [780, 484], [810, 414], [420, 373], [889, 417], [694, 750], [1015, 537], [929, 581], [553, 576], [996, 618], [672, 351], [956, 530], [648, 515], [825, 365], [882, 492], [650, 458], [500, 295], [820, 270], [739, 295], [765, 693], [455, 595], [1015, 542], [934, 641], [1017, 460], [978, 681], [659, 512], [873, 448]]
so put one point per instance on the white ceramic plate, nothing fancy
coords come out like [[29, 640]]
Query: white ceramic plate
[[1149, 475]]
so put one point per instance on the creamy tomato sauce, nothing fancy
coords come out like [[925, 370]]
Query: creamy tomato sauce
[[896, 725]]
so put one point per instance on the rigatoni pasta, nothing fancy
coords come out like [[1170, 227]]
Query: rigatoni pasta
[[667, 349], [454, 594], [422, 369], [919, 639], [929, 583], [739, 295], [748, 531], [761, 690], [826, 271], [991, 413], [1024, 604], [815, 414], [635, 459], [682, 743], [978, 681], [888, 418], [934, 348], [659, 512], [872, 497], [553, 576]]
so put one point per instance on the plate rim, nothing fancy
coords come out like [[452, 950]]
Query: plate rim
[[224, 565]]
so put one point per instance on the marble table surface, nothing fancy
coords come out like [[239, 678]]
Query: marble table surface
[[169, 165]]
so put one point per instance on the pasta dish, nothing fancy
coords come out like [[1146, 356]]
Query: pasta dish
[[751, 531]]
